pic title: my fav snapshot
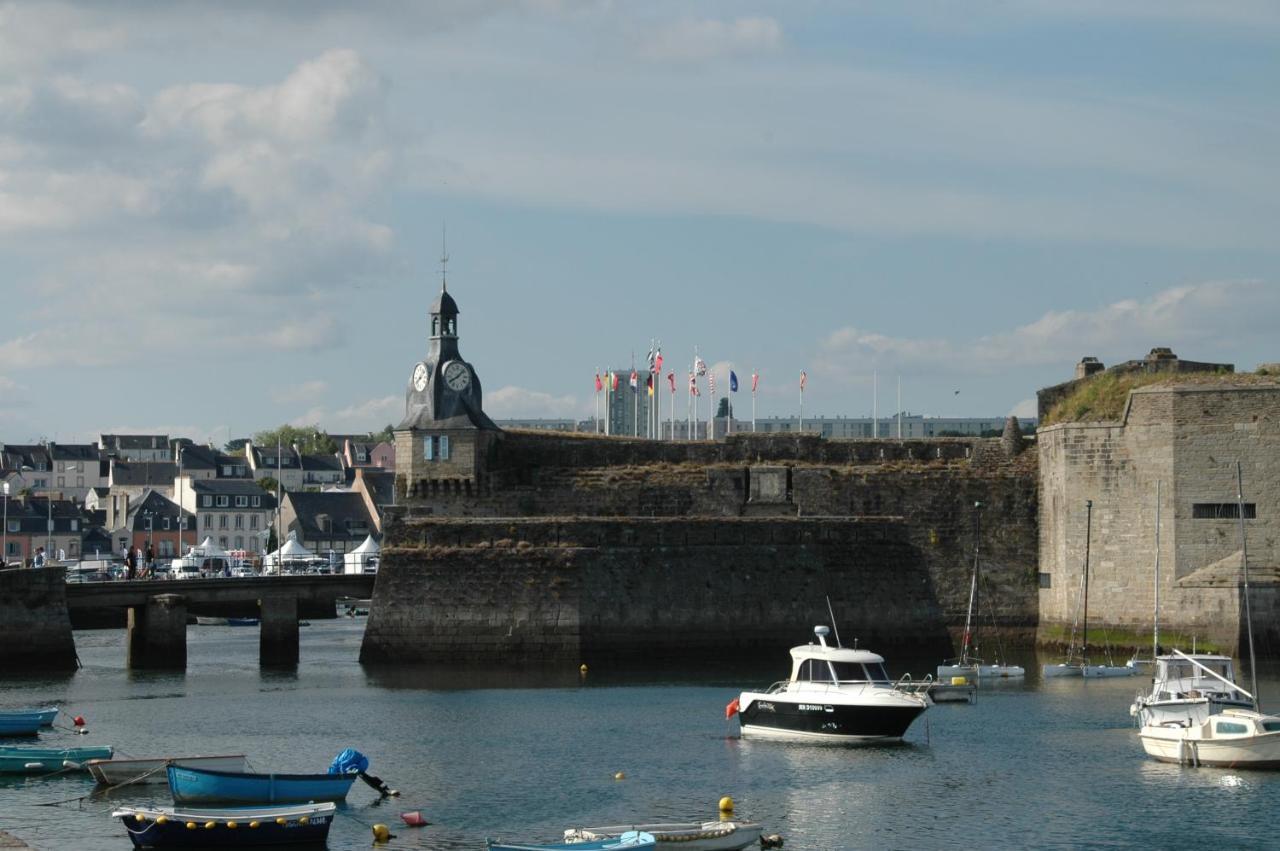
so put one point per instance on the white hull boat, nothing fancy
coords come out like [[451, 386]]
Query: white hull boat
[[1062, 669], [1187, 689], [981, 672], [1104, 671], [687, 836], [119, 772], [1234, 738]]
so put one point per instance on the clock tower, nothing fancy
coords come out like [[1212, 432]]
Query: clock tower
[[442, 441]]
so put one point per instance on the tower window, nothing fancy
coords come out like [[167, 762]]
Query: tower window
[[435, 326], [1223, 511], [436, 448]]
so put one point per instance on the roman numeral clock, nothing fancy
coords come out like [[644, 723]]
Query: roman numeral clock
[[444, 437]]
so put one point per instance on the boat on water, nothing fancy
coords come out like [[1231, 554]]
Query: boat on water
[[227, 827], [1079, 666], [24, 760], [632, 840], [44, 715], [835, 694], [25, 722], [1234, 737], [202, 620], [202, 786], [968, 665], [688, 836], [120, 772]]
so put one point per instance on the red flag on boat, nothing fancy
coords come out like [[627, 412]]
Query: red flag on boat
[[731, 710]]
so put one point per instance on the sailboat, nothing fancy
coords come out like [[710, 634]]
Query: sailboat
[[968, 664], [1084, 669], [1233, 737]]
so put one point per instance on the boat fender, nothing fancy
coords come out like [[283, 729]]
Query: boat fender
[[232, 825], [773, 840], [253, 825], [191, 825], [414, 819], [210, 825], [726, 804], [619, 776], [381, 833], [282, 821], [162, 820]]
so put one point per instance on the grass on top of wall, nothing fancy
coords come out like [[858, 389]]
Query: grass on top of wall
[[1103, 397]]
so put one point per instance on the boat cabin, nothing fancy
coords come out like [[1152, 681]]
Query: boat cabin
[[817, 663], [1178, 679]]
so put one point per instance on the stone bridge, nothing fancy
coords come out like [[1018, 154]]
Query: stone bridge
[[37, 608]]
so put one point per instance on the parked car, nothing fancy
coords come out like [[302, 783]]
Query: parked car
[[243, 572]]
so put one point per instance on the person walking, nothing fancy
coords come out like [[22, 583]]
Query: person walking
[[131, 564], [38, 561], [151, 560]]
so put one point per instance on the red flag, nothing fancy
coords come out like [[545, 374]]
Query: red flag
[[616, 379], [803, 378], [693, 384], [671, 377], [635, 380], [658, 362], [755, 381], [599, 383]]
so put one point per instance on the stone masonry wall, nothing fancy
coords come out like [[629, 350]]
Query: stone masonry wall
[[35, 631], [1188, 439], [514, 590]]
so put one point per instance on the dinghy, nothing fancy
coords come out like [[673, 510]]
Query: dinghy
[[689, 836], [632, 840], [228, 827], [21, 760], [120, 772], [200, 786]]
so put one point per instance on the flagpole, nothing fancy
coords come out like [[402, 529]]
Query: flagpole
[[597, 430], [801, 402], [899, 407], [753, 401], [875, 404], [608, 402], [728, 426], [673, 405]]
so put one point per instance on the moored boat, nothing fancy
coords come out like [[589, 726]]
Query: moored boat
[[19, 724], [227, 827], [1233, 738], [689, 836], [1188, 688], [835, 694], [200, 786], [43, 715], [119, 772], [23, 760], [632, 840]]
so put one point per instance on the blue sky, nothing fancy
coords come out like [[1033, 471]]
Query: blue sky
[[217, 218]]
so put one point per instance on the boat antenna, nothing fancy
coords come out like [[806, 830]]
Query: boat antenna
[[1155, 631], [1244, 564], [834, 628], [1088, 528]]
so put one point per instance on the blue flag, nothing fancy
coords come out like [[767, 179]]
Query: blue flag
[[733, 381]]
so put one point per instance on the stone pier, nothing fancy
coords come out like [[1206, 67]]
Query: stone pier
[[157, 633], [35, 630], [278, 639]]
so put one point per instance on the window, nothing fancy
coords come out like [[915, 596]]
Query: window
[[208, 521], [1229, 727], [428, 448], [73, 549], [239, 521], [1223, 511], [62, 481], [206, 501], [79, 481], [257, 501], [75, 525], [222, 542], [1271, 726], [223, 501], [222, 521], [15, 525], [242, 501], [227, 469], [1046, 580], [239, 542], [436, 448], [253, 521], [166, 548]]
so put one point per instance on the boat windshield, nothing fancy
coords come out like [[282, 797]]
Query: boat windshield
[[819, 671]]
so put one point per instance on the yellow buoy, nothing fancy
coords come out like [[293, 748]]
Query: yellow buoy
[[162, 819], [139, 817], [726, 804], [381, 833], [303, 820], [254, 824], [231, 825], [191, 825], [619, 776], [210, 825], [582, 669], [282, 821]]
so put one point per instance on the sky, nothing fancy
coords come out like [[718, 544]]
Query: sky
[[216, 218]]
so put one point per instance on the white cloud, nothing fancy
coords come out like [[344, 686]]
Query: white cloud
[[309, 333], [369, 415], [1025, 408], [1196, 320], [698, 39], [306, 391], [519, 402]]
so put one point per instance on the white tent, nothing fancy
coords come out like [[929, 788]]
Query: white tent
[[209, 549], [363, 558], [291, 553]]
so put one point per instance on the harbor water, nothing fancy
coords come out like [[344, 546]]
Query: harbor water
[[524, 756]]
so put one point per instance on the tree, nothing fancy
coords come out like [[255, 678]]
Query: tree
[[235, 446], [310, 440], [268, 484], [723, 410]]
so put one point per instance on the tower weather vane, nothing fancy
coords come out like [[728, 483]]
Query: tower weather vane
[[444, 256]]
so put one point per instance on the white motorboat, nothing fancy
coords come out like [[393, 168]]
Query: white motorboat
[[1187, 689], [687, 836], [119, 772], [835, 694], [1234, 738], [968, 665]]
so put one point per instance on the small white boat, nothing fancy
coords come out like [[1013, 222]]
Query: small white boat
[[1234, 738], [1101, 671], [1062, 669], [1188, 688], [688, 836], [119, 772]]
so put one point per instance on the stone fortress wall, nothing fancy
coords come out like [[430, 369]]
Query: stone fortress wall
[[584, 546]]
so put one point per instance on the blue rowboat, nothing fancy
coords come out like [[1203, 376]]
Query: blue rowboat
[[18, 760], [227, 827], [25, 722], [201, 786], [632, 840]]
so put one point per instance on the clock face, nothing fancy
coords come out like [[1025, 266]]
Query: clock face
[[420, 377], [457, 376]]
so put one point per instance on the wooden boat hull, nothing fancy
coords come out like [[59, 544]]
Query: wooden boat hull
[[118, 772], [687, 836], [630, 841], [199, 786], [230, 827], [19, 760]]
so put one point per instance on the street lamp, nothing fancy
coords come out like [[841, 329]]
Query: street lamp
[[182, 518], [4, 548]]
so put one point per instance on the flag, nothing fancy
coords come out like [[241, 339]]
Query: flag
[[599, 384], [733, 381], [803, 378], [755, 381], [616, 377], [648, 384], [635, 379], [651, 356], [711, 382], [699, 366], [671, 377], [693, 384], [658, 361]]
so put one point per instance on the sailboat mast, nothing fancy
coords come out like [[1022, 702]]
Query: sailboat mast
[[1248, 614], [1155, 631], [1088, 526]]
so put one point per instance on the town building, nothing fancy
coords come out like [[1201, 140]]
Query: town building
[[157, 522], [333, 522], [137, 447], [235, 513]]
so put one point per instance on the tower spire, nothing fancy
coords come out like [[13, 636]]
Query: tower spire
[[444, 257]]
